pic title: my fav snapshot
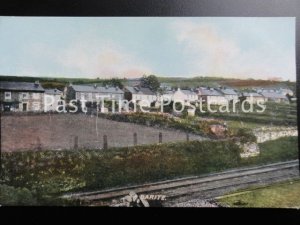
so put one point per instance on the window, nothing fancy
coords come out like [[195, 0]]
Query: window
[[82, 96], [90, 96], [7, 95], [35, 95], [25, 95], [36, 106]]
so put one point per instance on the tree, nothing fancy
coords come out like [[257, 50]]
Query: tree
[[151, 82], [115, 82]]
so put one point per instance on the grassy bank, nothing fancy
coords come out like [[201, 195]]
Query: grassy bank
[[282, 149], [280, 114], [48, 174], [60, 171], [201, 127], [283, 195]]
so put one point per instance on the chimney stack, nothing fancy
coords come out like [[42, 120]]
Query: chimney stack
[[36, 83]]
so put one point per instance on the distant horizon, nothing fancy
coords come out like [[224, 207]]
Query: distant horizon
[[229, 47], [134, 78]]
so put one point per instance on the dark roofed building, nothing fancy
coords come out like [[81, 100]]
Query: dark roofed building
[[138, 94], [21, 86], [93, 93], [21, 96]]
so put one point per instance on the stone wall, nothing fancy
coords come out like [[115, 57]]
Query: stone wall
[[272, 133], [249, 149], [265, 134]]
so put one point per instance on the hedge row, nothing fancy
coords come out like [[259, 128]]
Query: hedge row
[[201, 127], [52, 172]]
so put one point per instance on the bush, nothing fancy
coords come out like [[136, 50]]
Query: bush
[[54, 172], [192, 125], [16, 196], [244, 134], [48, 174]]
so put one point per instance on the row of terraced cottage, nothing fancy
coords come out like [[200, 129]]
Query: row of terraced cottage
[[31, 96]]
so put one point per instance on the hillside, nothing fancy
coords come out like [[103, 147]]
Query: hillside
[[181, 82], [230, 82]]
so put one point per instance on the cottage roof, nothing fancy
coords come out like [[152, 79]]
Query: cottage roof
[[97, 89], [253, 94], [140, 90], [21, 86], [52, 91], [209, 92], [228, 91], [274, 95], [188, 92]]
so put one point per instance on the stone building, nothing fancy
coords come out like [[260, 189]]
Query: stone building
[[52, 99], [21, 96], [93, 93]]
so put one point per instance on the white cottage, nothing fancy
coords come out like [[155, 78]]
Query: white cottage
[[253, 97], [186, 96]]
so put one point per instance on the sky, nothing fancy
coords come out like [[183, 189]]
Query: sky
[[105, 47]]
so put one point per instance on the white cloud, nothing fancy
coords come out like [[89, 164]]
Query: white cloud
[[211, 53], [85, 56]]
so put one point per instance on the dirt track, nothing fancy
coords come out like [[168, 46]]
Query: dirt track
[[56, 132]]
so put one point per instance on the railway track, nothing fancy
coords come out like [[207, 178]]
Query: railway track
[[204, 187]]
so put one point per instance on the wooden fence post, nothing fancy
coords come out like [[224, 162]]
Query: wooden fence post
[[134, 138], [38, 144], [76, 142], [104, 142], [160, 137]]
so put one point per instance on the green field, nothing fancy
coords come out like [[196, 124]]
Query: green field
[[283, 195]]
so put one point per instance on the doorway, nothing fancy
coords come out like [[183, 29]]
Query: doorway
[[24, 106]]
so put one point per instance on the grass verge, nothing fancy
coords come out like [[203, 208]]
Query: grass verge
[[281, 195]]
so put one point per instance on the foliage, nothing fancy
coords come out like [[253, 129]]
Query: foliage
[[244, 134], [115, 82], [53, 172], [47, 174], [151, 82], [16, 196], [192, 125]]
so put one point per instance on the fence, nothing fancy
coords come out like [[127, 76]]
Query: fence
[[75, 144]]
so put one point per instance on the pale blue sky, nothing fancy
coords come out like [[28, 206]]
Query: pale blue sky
[[259, 48]]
